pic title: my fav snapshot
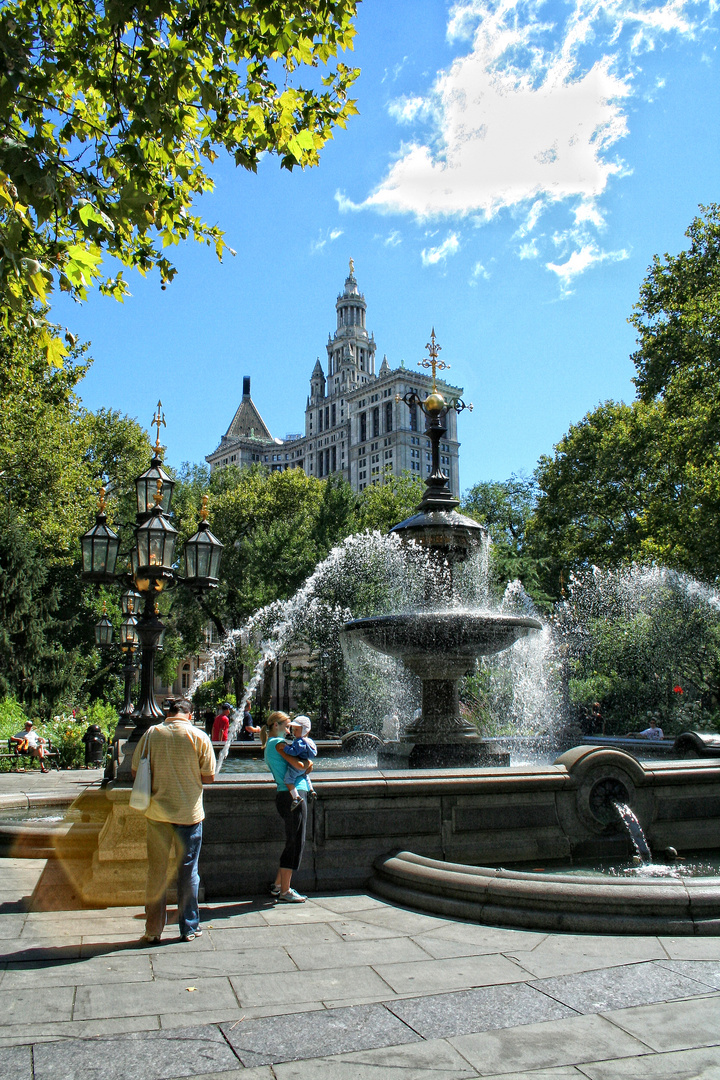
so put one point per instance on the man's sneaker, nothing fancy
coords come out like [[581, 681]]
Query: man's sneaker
[[292, 897], [191, 935], [274, 889], [312, 795], [296, 804]]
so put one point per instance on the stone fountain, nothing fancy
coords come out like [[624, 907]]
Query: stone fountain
[[433, 839], [440, 644]]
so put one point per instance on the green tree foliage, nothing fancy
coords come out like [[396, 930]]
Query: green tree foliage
[[31, 657], [644, 644], [53, 454], [382, 505], [677, 318], [41, 441], [506, 508], [642, 481], [110, 113]]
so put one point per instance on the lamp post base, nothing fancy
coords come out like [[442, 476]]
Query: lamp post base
[[125, 740]]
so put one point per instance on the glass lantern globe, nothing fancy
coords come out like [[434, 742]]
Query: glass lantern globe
[[131, 602], [202, 555], [128, 633], [104, 630], [100, 547], [146, 487], [154, 552]]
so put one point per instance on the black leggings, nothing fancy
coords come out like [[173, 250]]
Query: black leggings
[[295, 823]]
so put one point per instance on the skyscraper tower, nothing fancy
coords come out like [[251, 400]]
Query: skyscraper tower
[[354, 427]]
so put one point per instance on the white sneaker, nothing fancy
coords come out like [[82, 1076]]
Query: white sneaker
[[292, 897]]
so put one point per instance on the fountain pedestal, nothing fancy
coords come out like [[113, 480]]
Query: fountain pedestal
[[440, 647]]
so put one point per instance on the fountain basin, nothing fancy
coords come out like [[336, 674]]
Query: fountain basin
[[441, 644], [559, 902], [473, 818]]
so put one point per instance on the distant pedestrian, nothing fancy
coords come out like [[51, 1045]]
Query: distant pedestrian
[[247, 731], [653, 731], [597, 719], [181, 761], [209, 720], [221, 724]]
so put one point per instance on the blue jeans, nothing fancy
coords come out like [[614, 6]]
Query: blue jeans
[[188, 841]]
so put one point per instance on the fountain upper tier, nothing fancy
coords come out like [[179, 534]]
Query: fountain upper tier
[[437, 644], [441, 644]]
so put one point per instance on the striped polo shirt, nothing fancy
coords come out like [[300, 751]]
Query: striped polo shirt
[[180, 755]]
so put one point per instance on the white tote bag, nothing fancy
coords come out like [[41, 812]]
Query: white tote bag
[[142, 788]]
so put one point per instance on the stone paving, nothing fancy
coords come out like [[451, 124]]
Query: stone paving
[[344, 986]]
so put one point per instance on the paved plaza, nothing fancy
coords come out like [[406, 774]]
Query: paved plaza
[[344, 986]]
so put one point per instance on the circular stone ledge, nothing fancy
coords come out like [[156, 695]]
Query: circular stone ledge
[[557, 902]]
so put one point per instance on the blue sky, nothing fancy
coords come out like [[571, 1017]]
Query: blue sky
[[513, 170]]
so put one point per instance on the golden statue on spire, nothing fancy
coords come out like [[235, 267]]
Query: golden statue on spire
[[352, 267]]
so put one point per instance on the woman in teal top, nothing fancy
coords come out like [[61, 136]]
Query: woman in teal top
[[273, 740]]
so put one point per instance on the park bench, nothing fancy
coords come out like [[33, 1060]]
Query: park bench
[[16, 754]]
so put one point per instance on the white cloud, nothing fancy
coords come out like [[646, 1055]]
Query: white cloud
[[530, 116], [479, 271], [449, 246], [580, 261], [405, 110], [393, 239], [345, 204], [323, 238], [530, 250]]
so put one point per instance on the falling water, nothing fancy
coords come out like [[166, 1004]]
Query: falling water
[[370, 574], [634, 831]]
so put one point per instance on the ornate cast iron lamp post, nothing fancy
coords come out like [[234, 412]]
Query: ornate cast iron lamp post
[[436, 524], [104, 633], [152, 570]]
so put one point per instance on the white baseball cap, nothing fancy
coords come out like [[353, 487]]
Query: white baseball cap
[[303, 722]]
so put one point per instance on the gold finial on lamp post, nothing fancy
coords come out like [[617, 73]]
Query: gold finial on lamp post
[[437, 365], [157, 421]]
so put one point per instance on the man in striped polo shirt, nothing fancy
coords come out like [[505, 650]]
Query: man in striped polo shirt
[[181, 761]]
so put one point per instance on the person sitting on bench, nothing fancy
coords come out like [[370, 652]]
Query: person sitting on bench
[[29, 742]]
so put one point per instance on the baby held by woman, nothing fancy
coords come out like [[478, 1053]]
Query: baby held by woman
[[304, 749]]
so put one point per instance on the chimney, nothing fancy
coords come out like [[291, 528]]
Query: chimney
[[246, 386]]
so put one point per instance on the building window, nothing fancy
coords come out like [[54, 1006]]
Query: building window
[[388, 416], [185, 678], [375, 423], [363, 427], [320, 427], [334, 415], [413, 417]]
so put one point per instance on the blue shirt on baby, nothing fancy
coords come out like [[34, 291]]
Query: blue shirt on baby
[[304, 749], [278, 766]]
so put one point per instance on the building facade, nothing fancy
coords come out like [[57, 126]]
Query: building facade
[[354, 426]]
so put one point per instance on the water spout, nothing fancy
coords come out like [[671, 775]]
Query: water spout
[[634, 831]]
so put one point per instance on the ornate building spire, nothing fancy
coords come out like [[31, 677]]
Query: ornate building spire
[[351, 353]]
